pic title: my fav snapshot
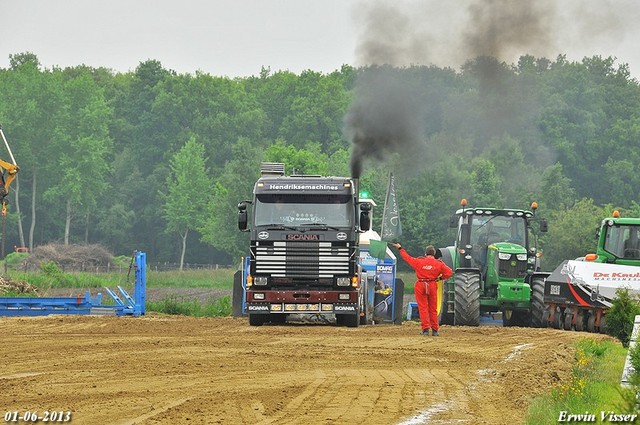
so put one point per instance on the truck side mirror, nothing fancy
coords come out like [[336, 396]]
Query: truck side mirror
[[543, 226], [242, 216], [365, 218]]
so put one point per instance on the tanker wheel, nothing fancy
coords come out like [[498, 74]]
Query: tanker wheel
[[591, 322], [538, 308], [257, 319], [568, 317], [580, 322], [545, 318], [603, 325], [467, 299], [558, 320]]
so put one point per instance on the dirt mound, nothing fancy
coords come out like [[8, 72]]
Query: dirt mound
[[71, 256]]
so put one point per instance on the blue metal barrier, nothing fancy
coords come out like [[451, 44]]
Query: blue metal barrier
[[43, 306]]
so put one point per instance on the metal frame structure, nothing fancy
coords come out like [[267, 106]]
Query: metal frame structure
[[87, 305]]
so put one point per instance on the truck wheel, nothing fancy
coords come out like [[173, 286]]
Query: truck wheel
[[537, 303], [348, 320], [467, 299], [278, 319], [257, 319]]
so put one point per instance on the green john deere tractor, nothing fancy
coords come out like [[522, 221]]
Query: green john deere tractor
[[495, 267]]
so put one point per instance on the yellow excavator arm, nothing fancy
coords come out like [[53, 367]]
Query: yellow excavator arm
[[11, 170]]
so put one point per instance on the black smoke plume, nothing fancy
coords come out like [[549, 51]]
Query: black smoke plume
[[483, 35], [385, 117]]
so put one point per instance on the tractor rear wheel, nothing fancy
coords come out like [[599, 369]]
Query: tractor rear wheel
[[537, 303], [467, 299]]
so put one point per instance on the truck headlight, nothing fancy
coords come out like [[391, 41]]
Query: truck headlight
[[343, 281], [260, 280], [521, 257], [504, 256]]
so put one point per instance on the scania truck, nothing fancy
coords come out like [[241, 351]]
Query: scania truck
[[304, 247]]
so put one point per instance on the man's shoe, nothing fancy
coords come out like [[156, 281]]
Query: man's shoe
[[425, 332], [435, 333]]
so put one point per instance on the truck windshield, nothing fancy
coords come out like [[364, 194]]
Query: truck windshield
[[304, 210], [623, 241]]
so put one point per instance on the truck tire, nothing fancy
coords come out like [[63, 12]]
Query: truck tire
[[257, 319], [467, 299], [537, 303], [278, 319], [348, 320]]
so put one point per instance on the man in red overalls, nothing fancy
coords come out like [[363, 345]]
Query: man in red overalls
[[428, 271]]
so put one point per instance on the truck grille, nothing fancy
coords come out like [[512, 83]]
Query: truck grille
[[302, 260], [507, 269]]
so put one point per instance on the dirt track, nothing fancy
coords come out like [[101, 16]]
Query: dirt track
[[177, 370]]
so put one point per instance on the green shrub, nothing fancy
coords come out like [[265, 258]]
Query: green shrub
[[14, 260], [51, 269], [621, 316]]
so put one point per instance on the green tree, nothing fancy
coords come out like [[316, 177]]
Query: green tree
[[572, 232], [188, 192], [30, 105], [485, 184], [232, 185], [302, 161], [81, 145]]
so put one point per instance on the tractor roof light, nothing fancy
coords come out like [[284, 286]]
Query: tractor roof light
[[534, 205], [616, 214]]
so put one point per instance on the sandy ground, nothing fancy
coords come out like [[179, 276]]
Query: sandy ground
[[181, 370]]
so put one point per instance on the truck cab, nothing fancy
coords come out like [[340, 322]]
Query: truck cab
[[304, 241]]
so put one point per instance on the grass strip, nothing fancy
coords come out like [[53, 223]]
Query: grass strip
[[593, 389]]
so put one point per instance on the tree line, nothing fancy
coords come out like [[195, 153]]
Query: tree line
[[157, 161]]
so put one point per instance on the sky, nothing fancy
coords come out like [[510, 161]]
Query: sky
[[236, 38]]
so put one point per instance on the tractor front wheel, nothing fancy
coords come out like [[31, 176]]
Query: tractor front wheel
[[467, 299]]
